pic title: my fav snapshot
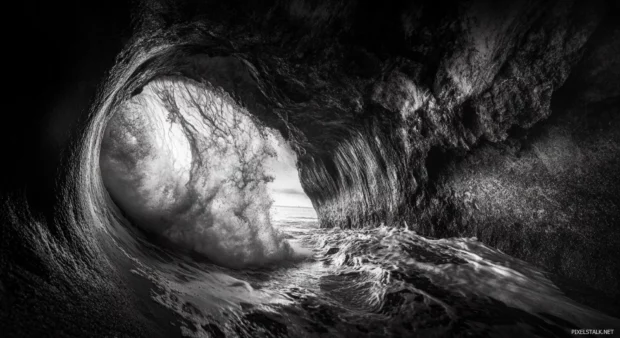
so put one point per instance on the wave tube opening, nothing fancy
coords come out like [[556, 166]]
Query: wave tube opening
[[188, 165]]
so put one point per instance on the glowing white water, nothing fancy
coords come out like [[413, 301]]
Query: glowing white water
[[146, 160], [185, 162]]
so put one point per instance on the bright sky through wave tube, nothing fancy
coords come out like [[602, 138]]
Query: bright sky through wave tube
[[286, 189]]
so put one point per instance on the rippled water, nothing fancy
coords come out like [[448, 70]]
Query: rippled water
[[370, 283]]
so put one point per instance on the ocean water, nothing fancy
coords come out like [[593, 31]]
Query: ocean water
[[381, 282]]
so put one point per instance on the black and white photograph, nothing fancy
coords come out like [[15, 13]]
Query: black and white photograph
[[310, 168]]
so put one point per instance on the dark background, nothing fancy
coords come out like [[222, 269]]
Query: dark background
[[59, 53]]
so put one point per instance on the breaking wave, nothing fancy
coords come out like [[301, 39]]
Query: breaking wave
[[187, 163], [166, 205]]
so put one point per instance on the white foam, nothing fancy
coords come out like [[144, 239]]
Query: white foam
[[185, 162]]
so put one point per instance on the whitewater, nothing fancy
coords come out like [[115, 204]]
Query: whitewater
[[185, 198], [166, 218], [381, 282]]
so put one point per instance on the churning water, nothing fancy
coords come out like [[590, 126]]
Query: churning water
[[215, 254], [381, 282]]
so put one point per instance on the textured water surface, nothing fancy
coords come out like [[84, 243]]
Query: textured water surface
[[373, 283]]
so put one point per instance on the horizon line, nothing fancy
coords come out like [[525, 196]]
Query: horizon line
[[293, 206]]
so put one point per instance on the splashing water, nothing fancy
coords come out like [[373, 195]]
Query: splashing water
[[369, 283], [188, 164]]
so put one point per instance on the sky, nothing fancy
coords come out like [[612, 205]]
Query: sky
[[286, 189]]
